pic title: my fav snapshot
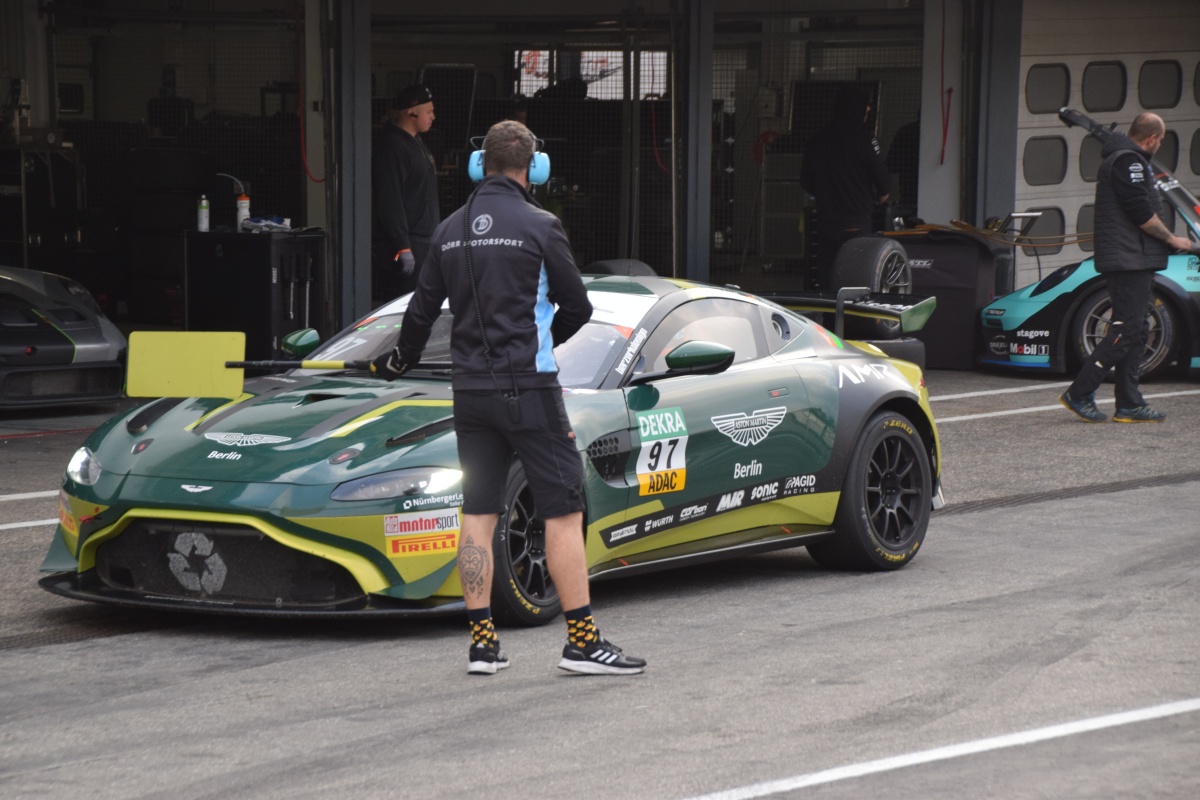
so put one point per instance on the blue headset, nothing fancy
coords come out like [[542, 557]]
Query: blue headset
[[539, 165]]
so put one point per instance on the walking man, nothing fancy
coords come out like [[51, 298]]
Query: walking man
[[1132, 243]]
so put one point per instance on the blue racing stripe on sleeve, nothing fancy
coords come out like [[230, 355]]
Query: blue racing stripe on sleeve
[[543, 316]]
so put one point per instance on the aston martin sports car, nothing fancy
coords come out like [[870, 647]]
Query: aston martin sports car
[[56, 347], [1055, 324], [711, 423]]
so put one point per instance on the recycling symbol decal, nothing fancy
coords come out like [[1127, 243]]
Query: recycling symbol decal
[[195, 564]]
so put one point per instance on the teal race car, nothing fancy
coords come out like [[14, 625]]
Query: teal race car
[[1055, 324], [711, 423]]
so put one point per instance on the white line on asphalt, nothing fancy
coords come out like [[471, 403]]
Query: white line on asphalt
[[956, 751], [1056, 406], [1030, 388], [27, 495], [31, 524]]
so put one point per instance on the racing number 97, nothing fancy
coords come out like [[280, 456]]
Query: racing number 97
[[656, 453]]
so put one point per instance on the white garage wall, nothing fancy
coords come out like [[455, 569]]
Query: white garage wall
[[1079, 32]]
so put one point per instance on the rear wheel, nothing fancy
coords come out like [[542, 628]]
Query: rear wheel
[[1090, 326], [522, 591], [881, 265], [884, 509]]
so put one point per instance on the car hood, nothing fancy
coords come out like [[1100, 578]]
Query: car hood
[[285, 429]]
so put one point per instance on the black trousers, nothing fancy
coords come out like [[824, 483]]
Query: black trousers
[[1123, 345]]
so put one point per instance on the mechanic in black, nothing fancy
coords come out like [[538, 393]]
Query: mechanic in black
[[1132, 243], [845, 173], [504, 262], [404, 193]]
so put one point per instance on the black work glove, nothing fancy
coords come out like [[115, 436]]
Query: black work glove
[[407, 262], [390, 365]]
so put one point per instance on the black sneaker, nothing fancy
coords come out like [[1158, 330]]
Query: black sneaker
[[601, 658], [484, 660], [1084, 409], [1139, 414]]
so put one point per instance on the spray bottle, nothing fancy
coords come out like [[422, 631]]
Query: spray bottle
[[202, 215]]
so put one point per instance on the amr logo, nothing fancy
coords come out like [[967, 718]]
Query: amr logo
[[860, 373], [195, 564]]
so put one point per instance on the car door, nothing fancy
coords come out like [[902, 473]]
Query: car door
[[709, 452]]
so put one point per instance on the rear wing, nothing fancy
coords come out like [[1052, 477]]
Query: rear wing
[[911, 311], [1179, 198]]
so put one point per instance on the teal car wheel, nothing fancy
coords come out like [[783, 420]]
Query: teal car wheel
[[883, 512], [1090, 326], [522, 592]]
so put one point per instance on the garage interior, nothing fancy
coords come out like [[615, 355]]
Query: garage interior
[[157, 103]]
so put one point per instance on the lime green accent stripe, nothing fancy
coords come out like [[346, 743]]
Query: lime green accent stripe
[[240, 399], [378, 413]]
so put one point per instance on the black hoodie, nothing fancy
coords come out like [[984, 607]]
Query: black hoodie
[[842, 165]]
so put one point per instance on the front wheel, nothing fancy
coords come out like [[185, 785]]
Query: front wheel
[[522, 591], [886, 498], [1090, 326]]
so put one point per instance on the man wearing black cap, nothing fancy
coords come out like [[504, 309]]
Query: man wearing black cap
[[405, 193]]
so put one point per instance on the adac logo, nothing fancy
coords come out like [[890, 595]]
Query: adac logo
[[481, 224], [245, 439], [750, 429]]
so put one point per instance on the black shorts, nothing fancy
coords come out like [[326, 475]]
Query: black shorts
[[490, 432]]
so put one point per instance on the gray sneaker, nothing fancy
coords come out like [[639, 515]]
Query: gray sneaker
[[1139, 414], [1084, 409]]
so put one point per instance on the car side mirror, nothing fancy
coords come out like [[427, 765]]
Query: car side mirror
[[692, 358], [300, 343]]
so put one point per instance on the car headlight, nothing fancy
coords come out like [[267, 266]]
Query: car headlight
[[84, 467], [401, 483]]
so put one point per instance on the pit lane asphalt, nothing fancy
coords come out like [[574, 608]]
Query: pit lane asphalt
[[1058, 586]]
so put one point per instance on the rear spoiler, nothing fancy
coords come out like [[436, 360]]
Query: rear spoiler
[[911, 311]]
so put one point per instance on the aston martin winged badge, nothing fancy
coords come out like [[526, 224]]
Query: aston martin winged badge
[[749, 429], [245, 439]]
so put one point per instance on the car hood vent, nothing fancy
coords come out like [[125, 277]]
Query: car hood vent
[[423, 433]]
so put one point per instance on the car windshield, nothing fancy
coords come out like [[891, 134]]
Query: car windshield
[[583, 360]]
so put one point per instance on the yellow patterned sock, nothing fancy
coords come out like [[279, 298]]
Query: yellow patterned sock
[[581, 627], [482, 630]]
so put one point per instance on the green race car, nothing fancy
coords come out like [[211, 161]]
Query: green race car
[[711, 423]]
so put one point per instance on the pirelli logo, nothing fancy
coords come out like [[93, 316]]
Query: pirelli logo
[[423, 545]]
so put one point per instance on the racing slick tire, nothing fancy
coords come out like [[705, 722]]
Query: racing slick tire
[[1090, 324], [881, 265], [887, 495], [522, 592]]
